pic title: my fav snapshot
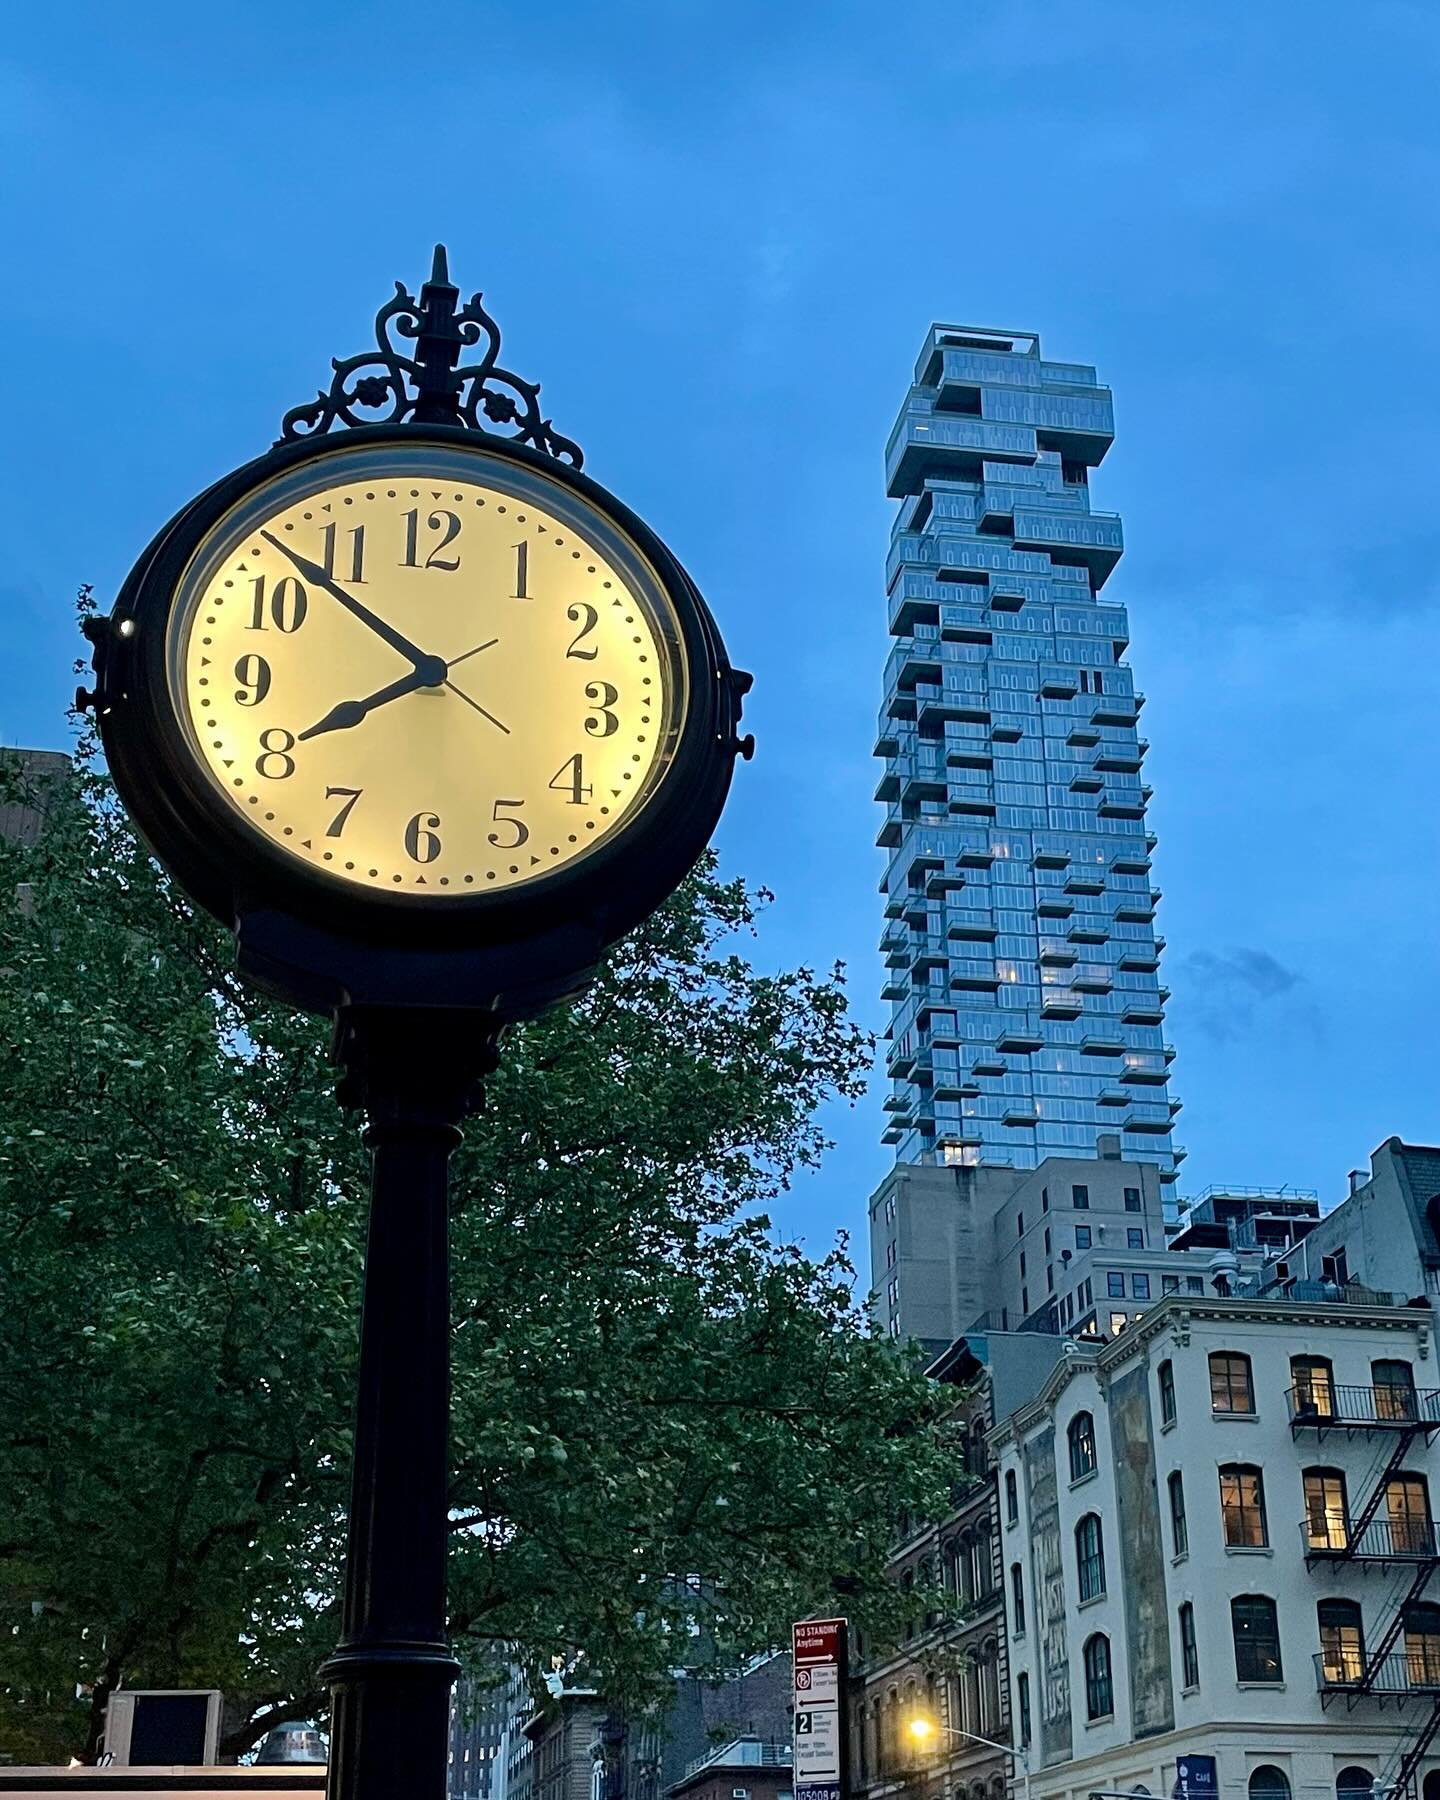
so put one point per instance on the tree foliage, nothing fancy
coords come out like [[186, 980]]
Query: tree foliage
[[663, 1415]]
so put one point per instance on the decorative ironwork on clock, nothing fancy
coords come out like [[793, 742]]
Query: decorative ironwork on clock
[[385, 386]]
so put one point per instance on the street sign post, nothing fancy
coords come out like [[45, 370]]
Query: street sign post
[[820, 1662]]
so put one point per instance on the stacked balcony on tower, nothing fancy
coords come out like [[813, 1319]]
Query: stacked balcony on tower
[[1020, 947]]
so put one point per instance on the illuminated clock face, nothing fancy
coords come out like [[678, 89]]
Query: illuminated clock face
[[425, 670]]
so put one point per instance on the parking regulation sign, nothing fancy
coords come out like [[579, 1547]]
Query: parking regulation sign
[[818, 1660]]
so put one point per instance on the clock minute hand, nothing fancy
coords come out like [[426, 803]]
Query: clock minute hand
[[313, 571], [429, 672]]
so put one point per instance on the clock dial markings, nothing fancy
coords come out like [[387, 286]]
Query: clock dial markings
[[480, 801]]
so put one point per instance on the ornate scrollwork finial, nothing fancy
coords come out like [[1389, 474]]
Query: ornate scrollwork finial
[[384, 386]]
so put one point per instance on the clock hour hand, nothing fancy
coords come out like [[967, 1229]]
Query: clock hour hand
[[313, 571], [429, 672]]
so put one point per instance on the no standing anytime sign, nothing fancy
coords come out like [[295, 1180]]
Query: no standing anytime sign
[[818, 1654]]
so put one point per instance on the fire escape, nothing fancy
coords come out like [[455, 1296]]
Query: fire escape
[[1379, 1536]]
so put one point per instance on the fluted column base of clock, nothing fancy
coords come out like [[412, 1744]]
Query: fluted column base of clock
[[390, 1720]]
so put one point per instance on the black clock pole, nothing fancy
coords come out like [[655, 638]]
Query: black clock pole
[[415, 1075]]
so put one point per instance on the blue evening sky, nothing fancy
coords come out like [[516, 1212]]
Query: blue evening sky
[[717, 233]]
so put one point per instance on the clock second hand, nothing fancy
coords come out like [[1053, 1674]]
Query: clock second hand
[[430, 671]]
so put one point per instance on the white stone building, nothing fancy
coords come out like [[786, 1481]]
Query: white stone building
[[1217, 1539]]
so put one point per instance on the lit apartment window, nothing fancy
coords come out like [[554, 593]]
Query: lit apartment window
[[1242, 1507], [1081, 1436], [1312, 1387], [1327, 1512], [1342, 1640]]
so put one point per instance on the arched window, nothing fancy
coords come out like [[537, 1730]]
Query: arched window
[[1012, 1498], [1242, 1507], [1256, 1631], [1090, 1557], [1327, 1510], [1232, 1390], [989, 1688], [1422, 1644], [1342, 1642], [1081, 1433], [1407, 1513], [950, 1566], [1180, 1531], [984, 1566], [1354, 1783], [1394, 1388], [1312, 1388], [1017, 1599], [1166, 1375], [979, 1449], [1189, 1649], [1269, 1783], [1099, 1692], [968, 1565]]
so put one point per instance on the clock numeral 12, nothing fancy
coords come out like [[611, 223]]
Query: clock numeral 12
[[448, 522], [357, 552], [570, 776]]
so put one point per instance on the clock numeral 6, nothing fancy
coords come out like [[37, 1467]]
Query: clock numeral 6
[[585, 616], [521, 829], [569, 778], [275, 747], [603, 694], [422, 844], [288, 604], [447, 522], [253, 674]]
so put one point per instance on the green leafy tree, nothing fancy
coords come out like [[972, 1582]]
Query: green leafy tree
[[664, 1417]]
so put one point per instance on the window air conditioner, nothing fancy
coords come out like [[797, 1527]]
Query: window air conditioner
[[162, 1726]]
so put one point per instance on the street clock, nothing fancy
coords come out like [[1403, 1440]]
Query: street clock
[[419, 686]]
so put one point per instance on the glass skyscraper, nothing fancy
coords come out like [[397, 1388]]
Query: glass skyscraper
[[1019, 942]]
